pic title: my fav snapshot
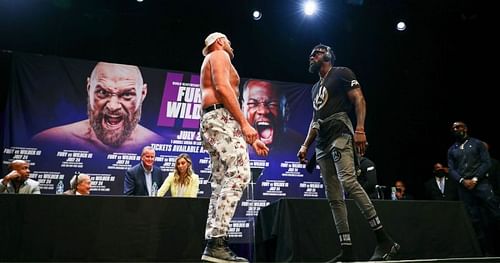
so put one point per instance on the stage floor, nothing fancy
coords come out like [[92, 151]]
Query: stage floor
[[464, 260]]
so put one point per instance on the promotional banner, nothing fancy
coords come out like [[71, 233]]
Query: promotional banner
[[63, 120]]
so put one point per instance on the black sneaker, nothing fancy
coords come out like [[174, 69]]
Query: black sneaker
[[217, 250], [385, 251], [345, 255]]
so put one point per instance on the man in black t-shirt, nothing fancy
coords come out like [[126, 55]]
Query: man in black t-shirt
[[339, 146]]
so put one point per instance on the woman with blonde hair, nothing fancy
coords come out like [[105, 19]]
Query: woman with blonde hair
[[182, 182]]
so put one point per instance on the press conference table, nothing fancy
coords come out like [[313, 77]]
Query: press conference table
[[101, 228], [302, 230], [141, 229]]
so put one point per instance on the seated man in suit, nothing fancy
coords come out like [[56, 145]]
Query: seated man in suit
[[144, 178], [440, 187], [18, 181], [368, 177], [80, 185]]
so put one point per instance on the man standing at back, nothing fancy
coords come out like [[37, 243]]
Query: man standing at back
[[225, 133], [468, 162]]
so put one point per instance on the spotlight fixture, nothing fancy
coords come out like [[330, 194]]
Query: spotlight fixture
[[257, 15], [401, 26], [310, 7]]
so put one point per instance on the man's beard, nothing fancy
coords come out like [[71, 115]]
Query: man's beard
[[230, 52], [114, 138], [314, 67]]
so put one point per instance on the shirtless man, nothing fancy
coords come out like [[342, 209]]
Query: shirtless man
[[115, 96], [225, 133]]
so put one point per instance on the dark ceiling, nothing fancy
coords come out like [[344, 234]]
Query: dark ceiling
[[416, 82], [169, 34]]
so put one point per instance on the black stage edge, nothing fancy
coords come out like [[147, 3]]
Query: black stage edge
[[438, 260], [57, 228], [448, 260], [302, 230]]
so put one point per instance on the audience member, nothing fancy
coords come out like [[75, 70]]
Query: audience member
[[80, 185], [115, 96], [18, 181], [468, 162], [182, 182], [440, 186], [144, 178], [368, 177], [401, 193]]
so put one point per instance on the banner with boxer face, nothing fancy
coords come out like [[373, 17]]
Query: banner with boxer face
[[68, 116]]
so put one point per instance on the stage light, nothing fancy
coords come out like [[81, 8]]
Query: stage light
[[310, 7], [401, 26], [257, 15], [140, 1]]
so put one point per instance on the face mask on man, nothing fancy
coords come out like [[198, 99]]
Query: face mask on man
[[459, 135], [440, 173]]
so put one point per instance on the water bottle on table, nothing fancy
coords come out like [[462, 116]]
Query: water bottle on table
[[60, 188]]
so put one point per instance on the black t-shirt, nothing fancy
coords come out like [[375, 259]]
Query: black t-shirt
[[329, 97]]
